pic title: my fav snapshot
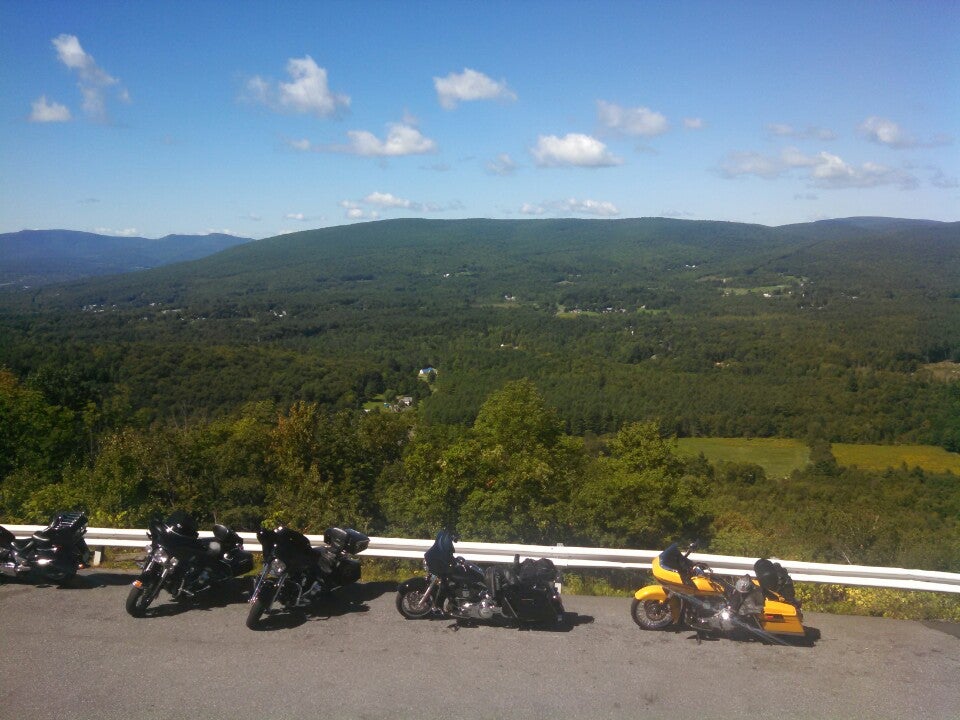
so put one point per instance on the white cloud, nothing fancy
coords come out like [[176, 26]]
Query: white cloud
[[401, 140], [694, 123], [125, 232], [43, 111], [299, 217], [387, 200], [571, 206], [303, 145], [353, 211], [833, 172], [572, 149], [93, 79], [886, 132], [632, 121], [370, 206], [467, 86], [502, 165], [825, 170], [308, 91]]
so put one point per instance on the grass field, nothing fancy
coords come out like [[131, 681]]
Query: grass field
[[780, 457], [880, 457]]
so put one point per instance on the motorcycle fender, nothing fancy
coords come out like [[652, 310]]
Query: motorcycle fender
[[417, 583], [657, 592], [651, 592]]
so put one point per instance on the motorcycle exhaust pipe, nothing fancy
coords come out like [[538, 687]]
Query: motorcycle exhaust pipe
[[8, 569]]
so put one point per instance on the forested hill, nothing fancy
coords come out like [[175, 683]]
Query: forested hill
[[40, 257], [821, 329], [549, 261]]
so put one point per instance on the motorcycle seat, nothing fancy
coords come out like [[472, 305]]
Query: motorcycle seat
[[22, 544]]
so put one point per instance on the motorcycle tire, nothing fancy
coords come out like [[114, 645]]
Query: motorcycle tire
[[407, 604], [260, 604], [139, 598], [651, 614]]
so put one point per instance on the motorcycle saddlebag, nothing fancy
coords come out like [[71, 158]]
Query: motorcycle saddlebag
[[347, 539], [347, 571], [530, 604]]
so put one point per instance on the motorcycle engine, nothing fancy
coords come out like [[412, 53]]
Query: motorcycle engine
[[483, 609]]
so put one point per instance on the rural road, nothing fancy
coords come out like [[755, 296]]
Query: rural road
[[74, 653]]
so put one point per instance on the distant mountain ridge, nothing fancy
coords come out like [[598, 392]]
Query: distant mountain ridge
[[42, 257]]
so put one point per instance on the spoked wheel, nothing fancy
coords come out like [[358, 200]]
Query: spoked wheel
[[140, 597], [260, 604], [409, 604], [651, 614]]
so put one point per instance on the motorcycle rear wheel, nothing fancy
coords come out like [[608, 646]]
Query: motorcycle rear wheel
[[651, 614], [408, 604]]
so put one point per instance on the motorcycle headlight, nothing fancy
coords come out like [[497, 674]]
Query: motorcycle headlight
[[160, 556], [277, 567]]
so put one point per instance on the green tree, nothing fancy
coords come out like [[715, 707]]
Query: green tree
[[640, 495]]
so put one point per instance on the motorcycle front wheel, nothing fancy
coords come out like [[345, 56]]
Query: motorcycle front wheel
[[259, 605], [410, 606], [651, 614], [140, 597]]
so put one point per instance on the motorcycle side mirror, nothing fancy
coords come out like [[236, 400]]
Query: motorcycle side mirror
[[691, 547]]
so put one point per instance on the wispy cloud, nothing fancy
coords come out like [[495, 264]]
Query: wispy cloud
[[811, 132], [307, 92], [93, 81], [823, 169], [372, 205], [571, 206], [573, 149], [44, 111], [503, 165], [468, 86], [637, 121], [886, 132]]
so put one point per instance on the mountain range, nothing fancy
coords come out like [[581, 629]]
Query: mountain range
[[42, 257]]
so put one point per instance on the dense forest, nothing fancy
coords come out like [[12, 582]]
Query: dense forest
[[566, 352]]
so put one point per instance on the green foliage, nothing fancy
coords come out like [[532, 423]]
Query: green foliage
[[232, 386], [640, 495]]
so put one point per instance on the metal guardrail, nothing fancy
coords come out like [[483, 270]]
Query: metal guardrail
[[583, 557]]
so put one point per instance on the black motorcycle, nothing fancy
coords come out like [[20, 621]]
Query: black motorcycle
[[295, 574], [184, 564], [53, 554], [523, 593]]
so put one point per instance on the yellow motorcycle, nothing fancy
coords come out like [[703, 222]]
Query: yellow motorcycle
[[690, 594]]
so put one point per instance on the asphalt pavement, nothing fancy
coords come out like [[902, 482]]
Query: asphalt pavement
[[75, 653]]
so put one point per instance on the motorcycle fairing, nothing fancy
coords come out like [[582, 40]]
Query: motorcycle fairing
[[684, 581]]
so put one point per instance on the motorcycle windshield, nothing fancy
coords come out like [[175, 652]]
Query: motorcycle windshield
[[672, 558], [293, 548], [440, 554]]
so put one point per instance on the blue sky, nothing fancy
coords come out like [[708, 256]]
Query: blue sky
[[259, 118]]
